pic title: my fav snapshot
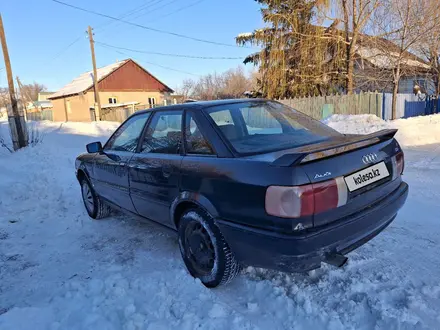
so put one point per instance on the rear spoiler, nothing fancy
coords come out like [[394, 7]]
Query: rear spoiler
[[331, 148]]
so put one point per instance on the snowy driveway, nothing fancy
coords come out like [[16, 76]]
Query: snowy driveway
[[61, 270]]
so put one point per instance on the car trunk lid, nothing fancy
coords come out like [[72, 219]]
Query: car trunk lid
[[364, 162]]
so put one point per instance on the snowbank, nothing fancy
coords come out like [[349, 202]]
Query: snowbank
[[412, 131]]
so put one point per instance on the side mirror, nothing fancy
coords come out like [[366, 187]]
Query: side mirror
[[94, 147]]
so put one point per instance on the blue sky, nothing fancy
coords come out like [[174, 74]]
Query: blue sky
[[37, 31]]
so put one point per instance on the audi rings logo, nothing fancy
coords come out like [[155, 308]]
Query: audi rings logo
[[370, 158]]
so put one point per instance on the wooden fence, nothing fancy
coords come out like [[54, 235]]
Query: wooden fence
[[120, 114], [320, 107], [40, 115], [379, 104]]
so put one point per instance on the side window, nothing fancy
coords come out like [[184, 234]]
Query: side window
[[195, 142], [164, 133], [127, 136]]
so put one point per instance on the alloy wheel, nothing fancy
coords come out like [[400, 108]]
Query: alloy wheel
[[87, 197]]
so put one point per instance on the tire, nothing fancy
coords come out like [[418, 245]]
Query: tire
[[204, 250], [95, 206]]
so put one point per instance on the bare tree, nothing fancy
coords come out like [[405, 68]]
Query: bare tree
[[405, 22], [428, 46], [372, 69], [235, 83], [356, 15], [209, 87], [30, 91], [4, 97], [186, 89], [230, 84]]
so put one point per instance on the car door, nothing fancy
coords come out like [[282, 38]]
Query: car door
[[154, 170], [199, 165], [110, 173]]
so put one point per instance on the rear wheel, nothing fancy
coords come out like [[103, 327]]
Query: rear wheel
[[95, 206], [204, 250]]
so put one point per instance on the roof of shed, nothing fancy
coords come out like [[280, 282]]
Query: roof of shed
[[85, 80]]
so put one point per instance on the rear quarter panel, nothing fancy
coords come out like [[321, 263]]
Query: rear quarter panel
[[237, 188]]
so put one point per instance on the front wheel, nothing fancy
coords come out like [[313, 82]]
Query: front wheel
[[204, 250], [95, 206]]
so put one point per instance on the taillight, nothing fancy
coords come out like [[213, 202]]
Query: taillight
[[300, 201], [398, 164]]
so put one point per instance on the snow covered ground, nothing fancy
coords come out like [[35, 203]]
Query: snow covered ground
[[412, 132], [61, 270]]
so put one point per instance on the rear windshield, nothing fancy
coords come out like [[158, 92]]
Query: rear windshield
[[258, 127]]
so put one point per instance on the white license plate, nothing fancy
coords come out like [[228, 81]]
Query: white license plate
[[367, 176]]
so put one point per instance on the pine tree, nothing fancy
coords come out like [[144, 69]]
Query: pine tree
[[298, 58]]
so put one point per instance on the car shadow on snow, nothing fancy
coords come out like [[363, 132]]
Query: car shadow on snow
[[127, 241]]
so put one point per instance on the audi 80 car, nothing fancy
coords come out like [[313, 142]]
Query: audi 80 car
[[247, 182]]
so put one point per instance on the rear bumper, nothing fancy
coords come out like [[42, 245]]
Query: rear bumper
[[305, 251]]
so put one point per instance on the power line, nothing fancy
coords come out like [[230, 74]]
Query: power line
[[66, 48], [151, 63], [149, 11], [180, 9], [148, 28], [128, 13], [155, 9], [61, 52], [173, 12], [171, 55], [134, 10]]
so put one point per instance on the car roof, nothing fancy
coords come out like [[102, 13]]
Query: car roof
[[201, 104]]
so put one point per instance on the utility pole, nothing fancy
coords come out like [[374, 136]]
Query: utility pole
[[95, 77], [17, 123]]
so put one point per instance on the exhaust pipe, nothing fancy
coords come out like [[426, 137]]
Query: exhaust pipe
[[335, 259]]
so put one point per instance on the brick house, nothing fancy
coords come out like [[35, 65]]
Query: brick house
[[124, 82]]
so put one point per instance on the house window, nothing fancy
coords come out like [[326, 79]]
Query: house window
[[151, 102], [175, 101], [421, 83], [165, 102], [112, 100]]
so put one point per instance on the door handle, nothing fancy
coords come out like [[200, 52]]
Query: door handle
[[139, 166], [167, 170]]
